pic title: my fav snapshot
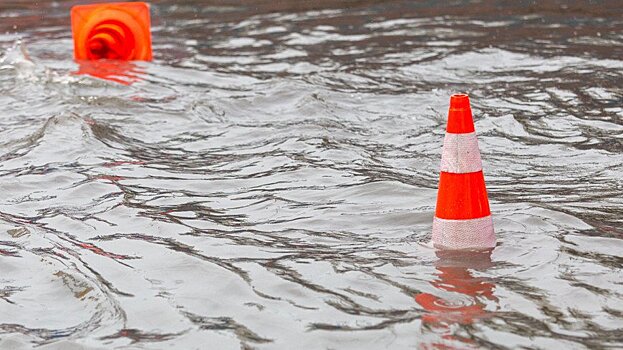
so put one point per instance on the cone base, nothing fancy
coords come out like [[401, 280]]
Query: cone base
[[463, 234]]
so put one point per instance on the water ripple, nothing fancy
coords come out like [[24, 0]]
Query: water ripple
[[270, 179]]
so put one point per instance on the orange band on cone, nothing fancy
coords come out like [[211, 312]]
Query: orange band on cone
[[462, 196]]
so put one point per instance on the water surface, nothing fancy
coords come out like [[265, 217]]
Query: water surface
[[269, 181]]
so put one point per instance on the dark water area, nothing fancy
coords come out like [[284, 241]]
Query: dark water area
[[269, 180]]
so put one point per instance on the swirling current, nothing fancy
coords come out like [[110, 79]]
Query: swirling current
[[269, 180]]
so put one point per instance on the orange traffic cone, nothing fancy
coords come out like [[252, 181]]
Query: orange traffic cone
[[118, 31], [462, 217]]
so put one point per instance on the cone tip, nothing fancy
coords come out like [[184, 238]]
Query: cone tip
[[459, 101], [460, 115]]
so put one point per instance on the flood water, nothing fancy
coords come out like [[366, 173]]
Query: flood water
[[269, 180]]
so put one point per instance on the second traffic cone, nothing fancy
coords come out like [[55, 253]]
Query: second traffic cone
[[119, 31], [462, 216]]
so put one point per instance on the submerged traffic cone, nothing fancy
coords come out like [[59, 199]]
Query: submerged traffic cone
[[462, 217], [118, 31]]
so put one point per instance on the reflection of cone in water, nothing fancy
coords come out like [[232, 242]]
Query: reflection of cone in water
[[122, 72], [462, 216], [119, 31], [471, 294], [454, 276]]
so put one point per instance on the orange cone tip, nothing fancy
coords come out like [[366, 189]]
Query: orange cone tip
[[462, 216], [119, 31]]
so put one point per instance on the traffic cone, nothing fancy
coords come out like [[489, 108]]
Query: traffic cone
[[118, 31], [462, 216]]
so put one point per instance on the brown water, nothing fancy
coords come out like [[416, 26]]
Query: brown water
[[269, 181]]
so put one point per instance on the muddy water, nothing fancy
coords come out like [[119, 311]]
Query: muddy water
[[269, 181]]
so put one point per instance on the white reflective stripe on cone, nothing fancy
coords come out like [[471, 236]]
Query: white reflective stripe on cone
[[463, 234], [460, 154]]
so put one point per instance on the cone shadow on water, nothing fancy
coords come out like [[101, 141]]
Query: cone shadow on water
[[467, 296]]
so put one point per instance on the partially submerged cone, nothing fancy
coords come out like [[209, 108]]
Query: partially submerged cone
[[462, 216], [119, 31]]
